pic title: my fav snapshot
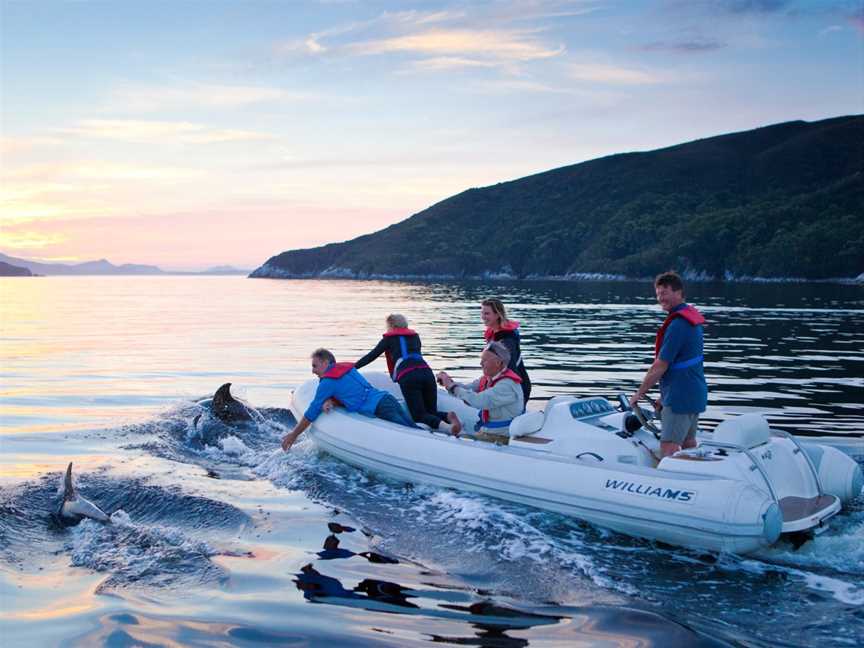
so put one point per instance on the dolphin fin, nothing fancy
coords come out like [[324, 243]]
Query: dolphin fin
[[224, 392], [68, 489], [222, 400]]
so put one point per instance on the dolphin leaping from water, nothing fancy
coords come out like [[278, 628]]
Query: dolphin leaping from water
[[73, 507]]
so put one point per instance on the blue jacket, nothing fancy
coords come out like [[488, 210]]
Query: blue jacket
[[352, 390]]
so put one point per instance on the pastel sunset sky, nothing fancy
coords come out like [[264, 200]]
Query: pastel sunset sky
[[189, 134]]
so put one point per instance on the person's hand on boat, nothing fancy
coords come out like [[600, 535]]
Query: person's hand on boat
[[328, 405]]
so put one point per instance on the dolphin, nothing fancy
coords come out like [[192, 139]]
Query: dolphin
[[73, 507], [227, 408]]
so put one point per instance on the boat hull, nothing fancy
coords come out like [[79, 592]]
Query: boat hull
[[701, 512]]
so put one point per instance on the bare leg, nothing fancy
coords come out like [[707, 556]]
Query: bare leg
[[455, 422], [690, 442], [668, 448]]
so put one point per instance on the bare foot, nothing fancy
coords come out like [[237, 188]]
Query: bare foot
[[455, 422]]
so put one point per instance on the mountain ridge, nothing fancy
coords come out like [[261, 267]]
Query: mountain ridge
[[105, 267], [780, 200]]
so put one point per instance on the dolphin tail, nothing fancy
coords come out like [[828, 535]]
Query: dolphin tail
[[68, 489]]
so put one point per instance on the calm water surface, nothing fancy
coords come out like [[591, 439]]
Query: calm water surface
[[226, 540]]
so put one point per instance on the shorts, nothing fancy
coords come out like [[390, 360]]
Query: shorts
[[677, 427]]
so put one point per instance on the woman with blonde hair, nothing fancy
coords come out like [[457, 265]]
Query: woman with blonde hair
[[406, 366], [506, 331]]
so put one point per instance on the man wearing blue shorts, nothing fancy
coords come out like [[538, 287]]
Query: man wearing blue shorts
[[678, 366], [341, 383]]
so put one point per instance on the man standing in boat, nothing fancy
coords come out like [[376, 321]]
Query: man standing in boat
[[678, 366], [497, 393], [342, 383]]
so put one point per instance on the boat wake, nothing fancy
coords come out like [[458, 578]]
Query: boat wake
[[492, 546], [540, 556]]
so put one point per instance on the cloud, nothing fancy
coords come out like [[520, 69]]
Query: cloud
[[16, 145], [612, 75], [440, 40], [138, 131], [832, 29], [450, 63], [198, 95], [505, 86], [425, 18], [522, 10], [495, 45], [28, 239], [387, 21], [683, 47], [86, 188], [55, 173]]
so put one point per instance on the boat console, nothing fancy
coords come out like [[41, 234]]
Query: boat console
[[591, 429]]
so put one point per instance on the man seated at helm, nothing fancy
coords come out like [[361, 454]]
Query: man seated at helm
[[343, 384], [497, 393]]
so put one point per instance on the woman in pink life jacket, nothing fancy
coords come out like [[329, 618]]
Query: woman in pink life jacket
[[401, 347], [506, 331]]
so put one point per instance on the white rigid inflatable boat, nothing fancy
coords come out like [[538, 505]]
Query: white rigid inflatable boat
[[738, 491]]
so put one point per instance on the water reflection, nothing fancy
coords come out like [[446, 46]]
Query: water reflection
[[492, 622]]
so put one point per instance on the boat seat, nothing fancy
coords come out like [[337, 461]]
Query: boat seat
[[747, 431], [525, 424]]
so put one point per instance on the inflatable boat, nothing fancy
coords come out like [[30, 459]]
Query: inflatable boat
[[742, 488]]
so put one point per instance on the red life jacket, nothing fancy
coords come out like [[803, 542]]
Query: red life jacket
[[511, 325], [399, 331], [689, 313], [485, 384], [338, 369]]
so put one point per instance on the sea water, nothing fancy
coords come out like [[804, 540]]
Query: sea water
[[223, 539]]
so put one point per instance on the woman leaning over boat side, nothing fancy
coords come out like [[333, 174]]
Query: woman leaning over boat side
[[406, 366], [506, 331]]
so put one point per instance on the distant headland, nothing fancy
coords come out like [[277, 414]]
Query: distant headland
[[9, 270], [779, 202], [12, 266]]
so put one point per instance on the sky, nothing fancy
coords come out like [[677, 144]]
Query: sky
[[195, 133]]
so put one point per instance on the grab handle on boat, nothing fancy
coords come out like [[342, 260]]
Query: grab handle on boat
[[591, 454], [754, 464], [785, 435]]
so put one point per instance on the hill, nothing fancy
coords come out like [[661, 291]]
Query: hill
[[101, 267], [785, 200], [9, 270]]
